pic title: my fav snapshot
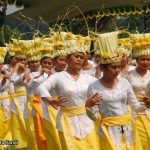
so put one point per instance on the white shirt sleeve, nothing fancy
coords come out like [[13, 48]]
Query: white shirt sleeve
[[47, 85], [147, 90], [133, 102], [35, 82], [5, 86], [16, 79]]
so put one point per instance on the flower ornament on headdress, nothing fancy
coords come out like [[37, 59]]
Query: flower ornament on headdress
[[125, 45], [96, 47], [16, 48], [59, 49], [47, 48], [32, 49], [108, 46], [3, 51], [141, 44], [74, 43], [87, 43]]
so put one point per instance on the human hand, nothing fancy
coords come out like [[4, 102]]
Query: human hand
[[94, 100]]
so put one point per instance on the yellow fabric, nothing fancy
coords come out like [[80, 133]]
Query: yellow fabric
[[19, 92], [17, 121], [90, 142], [4, 125], [18, 133], [66, 112], [52, 136], [4, 97], [32, 144], [114, 121], [143, 128], [38, 124]]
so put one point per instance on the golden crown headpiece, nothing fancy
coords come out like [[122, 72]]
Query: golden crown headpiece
[[74, 43], [16, 48], [47, 48], [32, 49], [141, 44], [110, 52], [3, 51], [125, 45], [96, 47]]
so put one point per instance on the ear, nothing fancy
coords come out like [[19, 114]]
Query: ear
[[102, 68]]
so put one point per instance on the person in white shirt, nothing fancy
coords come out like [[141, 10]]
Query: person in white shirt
[[76, 130], [5, 117], [115, 128], [139, 78]]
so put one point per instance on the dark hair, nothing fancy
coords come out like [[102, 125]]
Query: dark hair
[[104, 65], [45, 58]]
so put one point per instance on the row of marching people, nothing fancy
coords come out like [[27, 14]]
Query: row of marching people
[[53, 97]]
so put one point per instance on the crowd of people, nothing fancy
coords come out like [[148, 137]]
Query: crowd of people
[[55, 96]]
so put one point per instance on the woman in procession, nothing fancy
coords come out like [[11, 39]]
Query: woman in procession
[[115, 130], [139, 78], [5, 117], [76, 130]]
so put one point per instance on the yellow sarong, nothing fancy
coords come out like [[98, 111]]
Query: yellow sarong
[[18, 123], [4, 125], [116, 121], [38, 124], [66, 112]]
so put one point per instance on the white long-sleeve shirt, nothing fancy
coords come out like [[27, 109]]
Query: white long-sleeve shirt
[[114, 103], [18, 82], [5, 103], [76, 91], [139, 84], [147, 90]]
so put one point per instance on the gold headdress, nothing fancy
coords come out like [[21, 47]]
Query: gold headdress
[[110, 52], [32, 49], [3, 51], [141, 44], [10, 47], [74, 43], [125, 45], [47, 47], [16, 48]]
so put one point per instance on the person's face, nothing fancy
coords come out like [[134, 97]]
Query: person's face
[[22, 60], [143, 62], [13, 60], [124, 60], [112, 70], [76, 61], [47, 63], [1, 66], [34, 65], [97, 58], [60, 63]]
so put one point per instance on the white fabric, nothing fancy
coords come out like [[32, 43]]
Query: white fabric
[[114, 103], [147, 90], [139, 84], [18, 82], [5, 103], [34, 83], [76, 91]]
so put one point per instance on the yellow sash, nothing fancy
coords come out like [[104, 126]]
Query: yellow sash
[[39, 118], [145, 122], [19, 92], [4, 97], [66, 112], [114, 121]]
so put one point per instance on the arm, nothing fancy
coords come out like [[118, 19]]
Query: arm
[[132, 100]]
